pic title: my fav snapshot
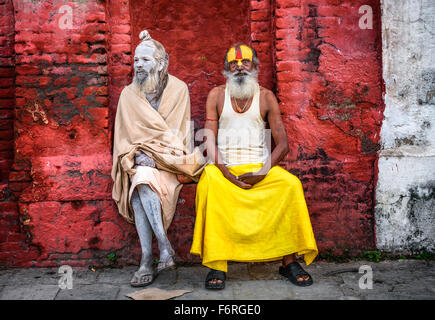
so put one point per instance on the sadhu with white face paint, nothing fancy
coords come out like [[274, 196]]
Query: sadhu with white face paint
[[248, 209], [152, 153]]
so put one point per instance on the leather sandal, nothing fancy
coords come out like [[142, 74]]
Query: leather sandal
[[293, 271], [138, 279], [215, 275], [168, 264]]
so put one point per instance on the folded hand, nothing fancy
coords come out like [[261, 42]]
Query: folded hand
[[239, 183], [251, 177]]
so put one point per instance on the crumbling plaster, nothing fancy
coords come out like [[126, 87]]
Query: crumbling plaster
[[405, 205]]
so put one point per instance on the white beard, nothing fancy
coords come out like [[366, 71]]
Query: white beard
[[149, 83], [242, 87]]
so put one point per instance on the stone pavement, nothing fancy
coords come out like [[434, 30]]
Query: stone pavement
[[392, 280]]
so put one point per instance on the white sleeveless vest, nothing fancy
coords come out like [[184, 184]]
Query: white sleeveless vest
[[242, 137]]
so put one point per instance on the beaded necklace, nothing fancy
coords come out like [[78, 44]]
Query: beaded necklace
[[240, 110]]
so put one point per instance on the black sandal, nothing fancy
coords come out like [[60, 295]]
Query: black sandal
[[215, 275], [293, 271]]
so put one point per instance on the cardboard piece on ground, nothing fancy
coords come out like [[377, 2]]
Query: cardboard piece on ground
[[156, 294]]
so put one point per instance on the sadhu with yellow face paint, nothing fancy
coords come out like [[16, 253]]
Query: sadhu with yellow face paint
[[248, 209]]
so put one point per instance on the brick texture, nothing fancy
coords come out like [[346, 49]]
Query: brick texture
[[59, 89], [7, 85], [262, 30], [330, 92]]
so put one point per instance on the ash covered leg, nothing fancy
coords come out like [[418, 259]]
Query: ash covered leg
[[151, 203]]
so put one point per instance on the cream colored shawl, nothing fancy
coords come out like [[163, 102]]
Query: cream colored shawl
[[164, 135]]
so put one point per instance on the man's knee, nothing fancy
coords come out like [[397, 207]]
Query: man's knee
[[209, 173], [144, 189], [146, 193]]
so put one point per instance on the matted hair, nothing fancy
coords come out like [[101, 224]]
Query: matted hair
[[159, 54], [255, 59]]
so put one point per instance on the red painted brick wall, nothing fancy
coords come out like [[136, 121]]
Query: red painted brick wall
[[61, 173], [56, 204], [262, 22], [7, 83], [330, 92], [11, 237], [119, 52]]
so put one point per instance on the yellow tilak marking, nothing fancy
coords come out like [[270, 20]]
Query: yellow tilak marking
[[246, 54]]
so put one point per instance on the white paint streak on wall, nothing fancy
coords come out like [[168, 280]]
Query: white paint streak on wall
[[405, 204]]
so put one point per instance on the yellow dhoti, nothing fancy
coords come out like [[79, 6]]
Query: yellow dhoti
[[263, 223]]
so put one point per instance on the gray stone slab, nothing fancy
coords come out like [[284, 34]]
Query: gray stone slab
[[263, 290], [413, 290], [430, 285], [34, 275], [195, 274], [166, 278], [395, 279], [332, 269], [85, 276], [29, 292], [410, 297], [200, 293], [7, 274], [263, 271], [89, 292], [50, 276], [326, 289], [116, 276], [349, 298], [396, 282], [406, 266], [236, 271]]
